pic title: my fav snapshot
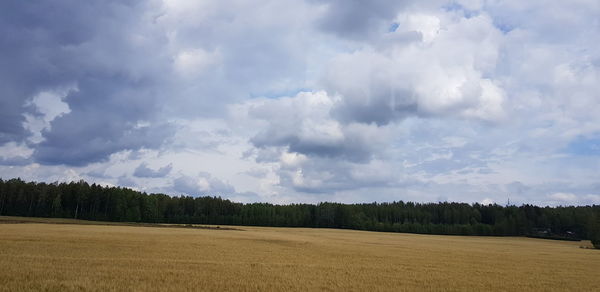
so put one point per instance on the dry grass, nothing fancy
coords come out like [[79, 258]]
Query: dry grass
[[58, 257]]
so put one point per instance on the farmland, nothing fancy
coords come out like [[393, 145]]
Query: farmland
[[76, 255]]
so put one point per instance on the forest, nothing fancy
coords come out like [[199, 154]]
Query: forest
[[81, 200]]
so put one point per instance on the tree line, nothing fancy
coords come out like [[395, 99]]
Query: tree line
[[81, 200]]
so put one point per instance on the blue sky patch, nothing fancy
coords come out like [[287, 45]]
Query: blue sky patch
[[585, 146]]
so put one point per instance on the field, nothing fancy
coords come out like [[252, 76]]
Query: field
[[66, 256]]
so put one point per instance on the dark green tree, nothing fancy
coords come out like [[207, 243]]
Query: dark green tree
[[57, 206], [94, 202]]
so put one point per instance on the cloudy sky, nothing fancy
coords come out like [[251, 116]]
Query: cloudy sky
[[306, 100]]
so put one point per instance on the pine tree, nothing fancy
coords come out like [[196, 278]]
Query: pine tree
[[595, 231], [57, 206]]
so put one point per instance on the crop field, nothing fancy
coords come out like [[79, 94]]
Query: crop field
[[65, 255]]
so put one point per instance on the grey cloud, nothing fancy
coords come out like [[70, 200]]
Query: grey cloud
[[98, 173], [15, 161], [11, 121], [135, 67], [262, 155], [303, 124], [28, 31], [354, 147], [52, 44], [330, 175], [356, 19], [125, 181], [108, 114], [144, 171], [129, 69], [380, 108], [74, 142], [256, 172], [517, 188]]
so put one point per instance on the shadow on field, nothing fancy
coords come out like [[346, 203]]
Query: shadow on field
[[26, 220]]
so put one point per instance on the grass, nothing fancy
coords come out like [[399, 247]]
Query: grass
[[67, 256]]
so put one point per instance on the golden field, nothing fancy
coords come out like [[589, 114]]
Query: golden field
[[65, 256]]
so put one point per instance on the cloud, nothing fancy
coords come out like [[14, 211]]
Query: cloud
[[15, 161], [46, 106], [574, 199], [564, 197], [222, 56], [75, 144], [304, 125], [13, 154], [487, 201], [204, 184], [134, 63], [591, 199], [125, 181], [358, 19], [95, 47], [302, 101], [144, 171], [381, 84], [326, 175]]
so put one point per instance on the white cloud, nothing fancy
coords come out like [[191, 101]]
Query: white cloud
[[203, 184], [49, 105], [487, 201], [447, 75], [564, 197], [190, 63]]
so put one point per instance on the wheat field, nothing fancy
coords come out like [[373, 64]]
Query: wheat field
[[63, 257]]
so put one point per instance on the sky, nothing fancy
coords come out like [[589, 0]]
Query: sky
[[306, 100]]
